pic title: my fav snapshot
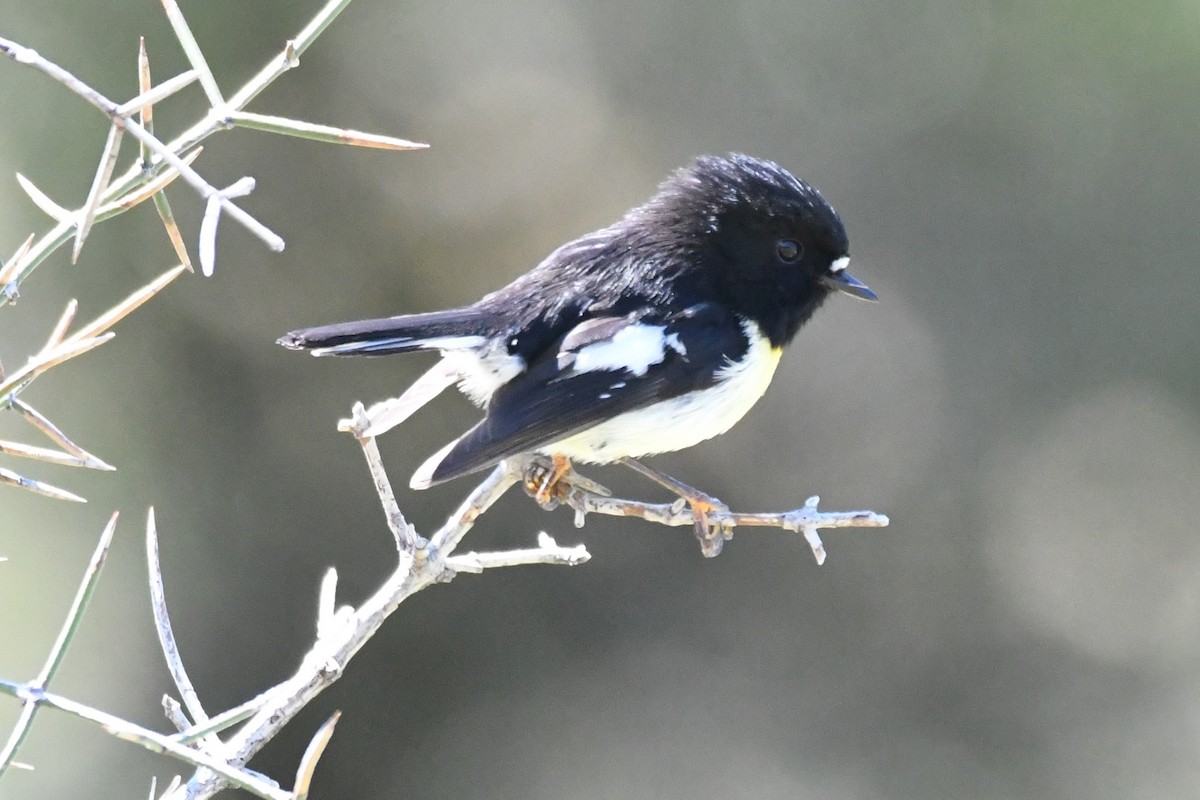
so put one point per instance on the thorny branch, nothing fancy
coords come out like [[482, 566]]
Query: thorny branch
[[218, 747], [342, 631], [158, 164]]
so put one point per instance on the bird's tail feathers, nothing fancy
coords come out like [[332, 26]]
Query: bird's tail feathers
[[439, 330]]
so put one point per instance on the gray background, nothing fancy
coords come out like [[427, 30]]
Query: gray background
[[1019, 184]]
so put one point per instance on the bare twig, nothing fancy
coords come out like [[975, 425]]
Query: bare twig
[[548, 551], [195, 55], [47, 360], [224, 720], [166, 636], [312, 754], [59, 348], [404, 534], [155, 152], [108, 160], [127, 306], [161, 204], [10, 478], [321, 133], [806, 519], [42, 200], [53, 456], [65, 635], [12, 268], [64, 322], [39, 421], [149, 96], [152, 188], [151, 740]]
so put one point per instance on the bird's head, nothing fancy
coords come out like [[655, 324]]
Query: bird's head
[[777, 249]]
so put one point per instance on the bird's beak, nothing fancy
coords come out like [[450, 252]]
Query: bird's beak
[[846, 283]]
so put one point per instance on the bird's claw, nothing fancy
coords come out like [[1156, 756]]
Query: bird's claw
[[711, 518], [550, 480]]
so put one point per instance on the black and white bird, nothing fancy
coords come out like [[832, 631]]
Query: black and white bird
[[648, 336]]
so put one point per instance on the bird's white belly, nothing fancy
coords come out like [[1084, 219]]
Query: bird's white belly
[[681, 422]]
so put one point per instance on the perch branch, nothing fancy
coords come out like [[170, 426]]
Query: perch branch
[[806, 520]]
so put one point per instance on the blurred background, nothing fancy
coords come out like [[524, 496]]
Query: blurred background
[[1019, 184]]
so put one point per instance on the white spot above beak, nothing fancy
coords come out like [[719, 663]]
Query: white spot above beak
[[840, 264]]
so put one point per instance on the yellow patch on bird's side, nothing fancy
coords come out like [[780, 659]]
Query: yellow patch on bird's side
[[683, 421]]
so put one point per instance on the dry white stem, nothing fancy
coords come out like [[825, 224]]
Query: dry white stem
[[60, 328], [212, 215], [166, 635], [194, 54], [289, 58], [224, 720], [165, 152], [176, 780], [39, 421], [174, 713], [151, 740], [146, 112], [148, 190], [327, 601], [548, 551], [407, 541], [321, 133], [65, 635], [501, 479], [148, 97], [217, 119], [208, 236], [108, 160], [47, 360], [43, 201], [53, 456], [10, 478], [12, 267], [312, 754], [127, 306], [381, 417]]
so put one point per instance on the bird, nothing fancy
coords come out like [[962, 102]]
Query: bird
[[647, 336]]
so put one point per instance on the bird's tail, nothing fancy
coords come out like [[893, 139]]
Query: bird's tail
[[440, 330]]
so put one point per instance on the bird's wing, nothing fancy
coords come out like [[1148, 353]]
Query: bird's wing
[[602, 367]]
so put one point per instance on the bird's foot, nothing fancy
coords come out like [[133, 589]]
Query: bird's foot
[[544, 478], [711, 518]]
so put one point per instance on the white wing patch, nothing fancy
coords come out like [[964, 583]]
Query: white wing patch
[[682, 421], [634, 349]]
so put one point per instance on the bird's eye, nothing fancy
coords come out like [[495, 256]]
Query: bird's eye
[[788, 250]]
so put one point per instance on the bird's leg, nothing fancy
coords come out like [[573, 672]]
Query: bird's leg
[[552, 479], [542, 480], [706, 509]]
